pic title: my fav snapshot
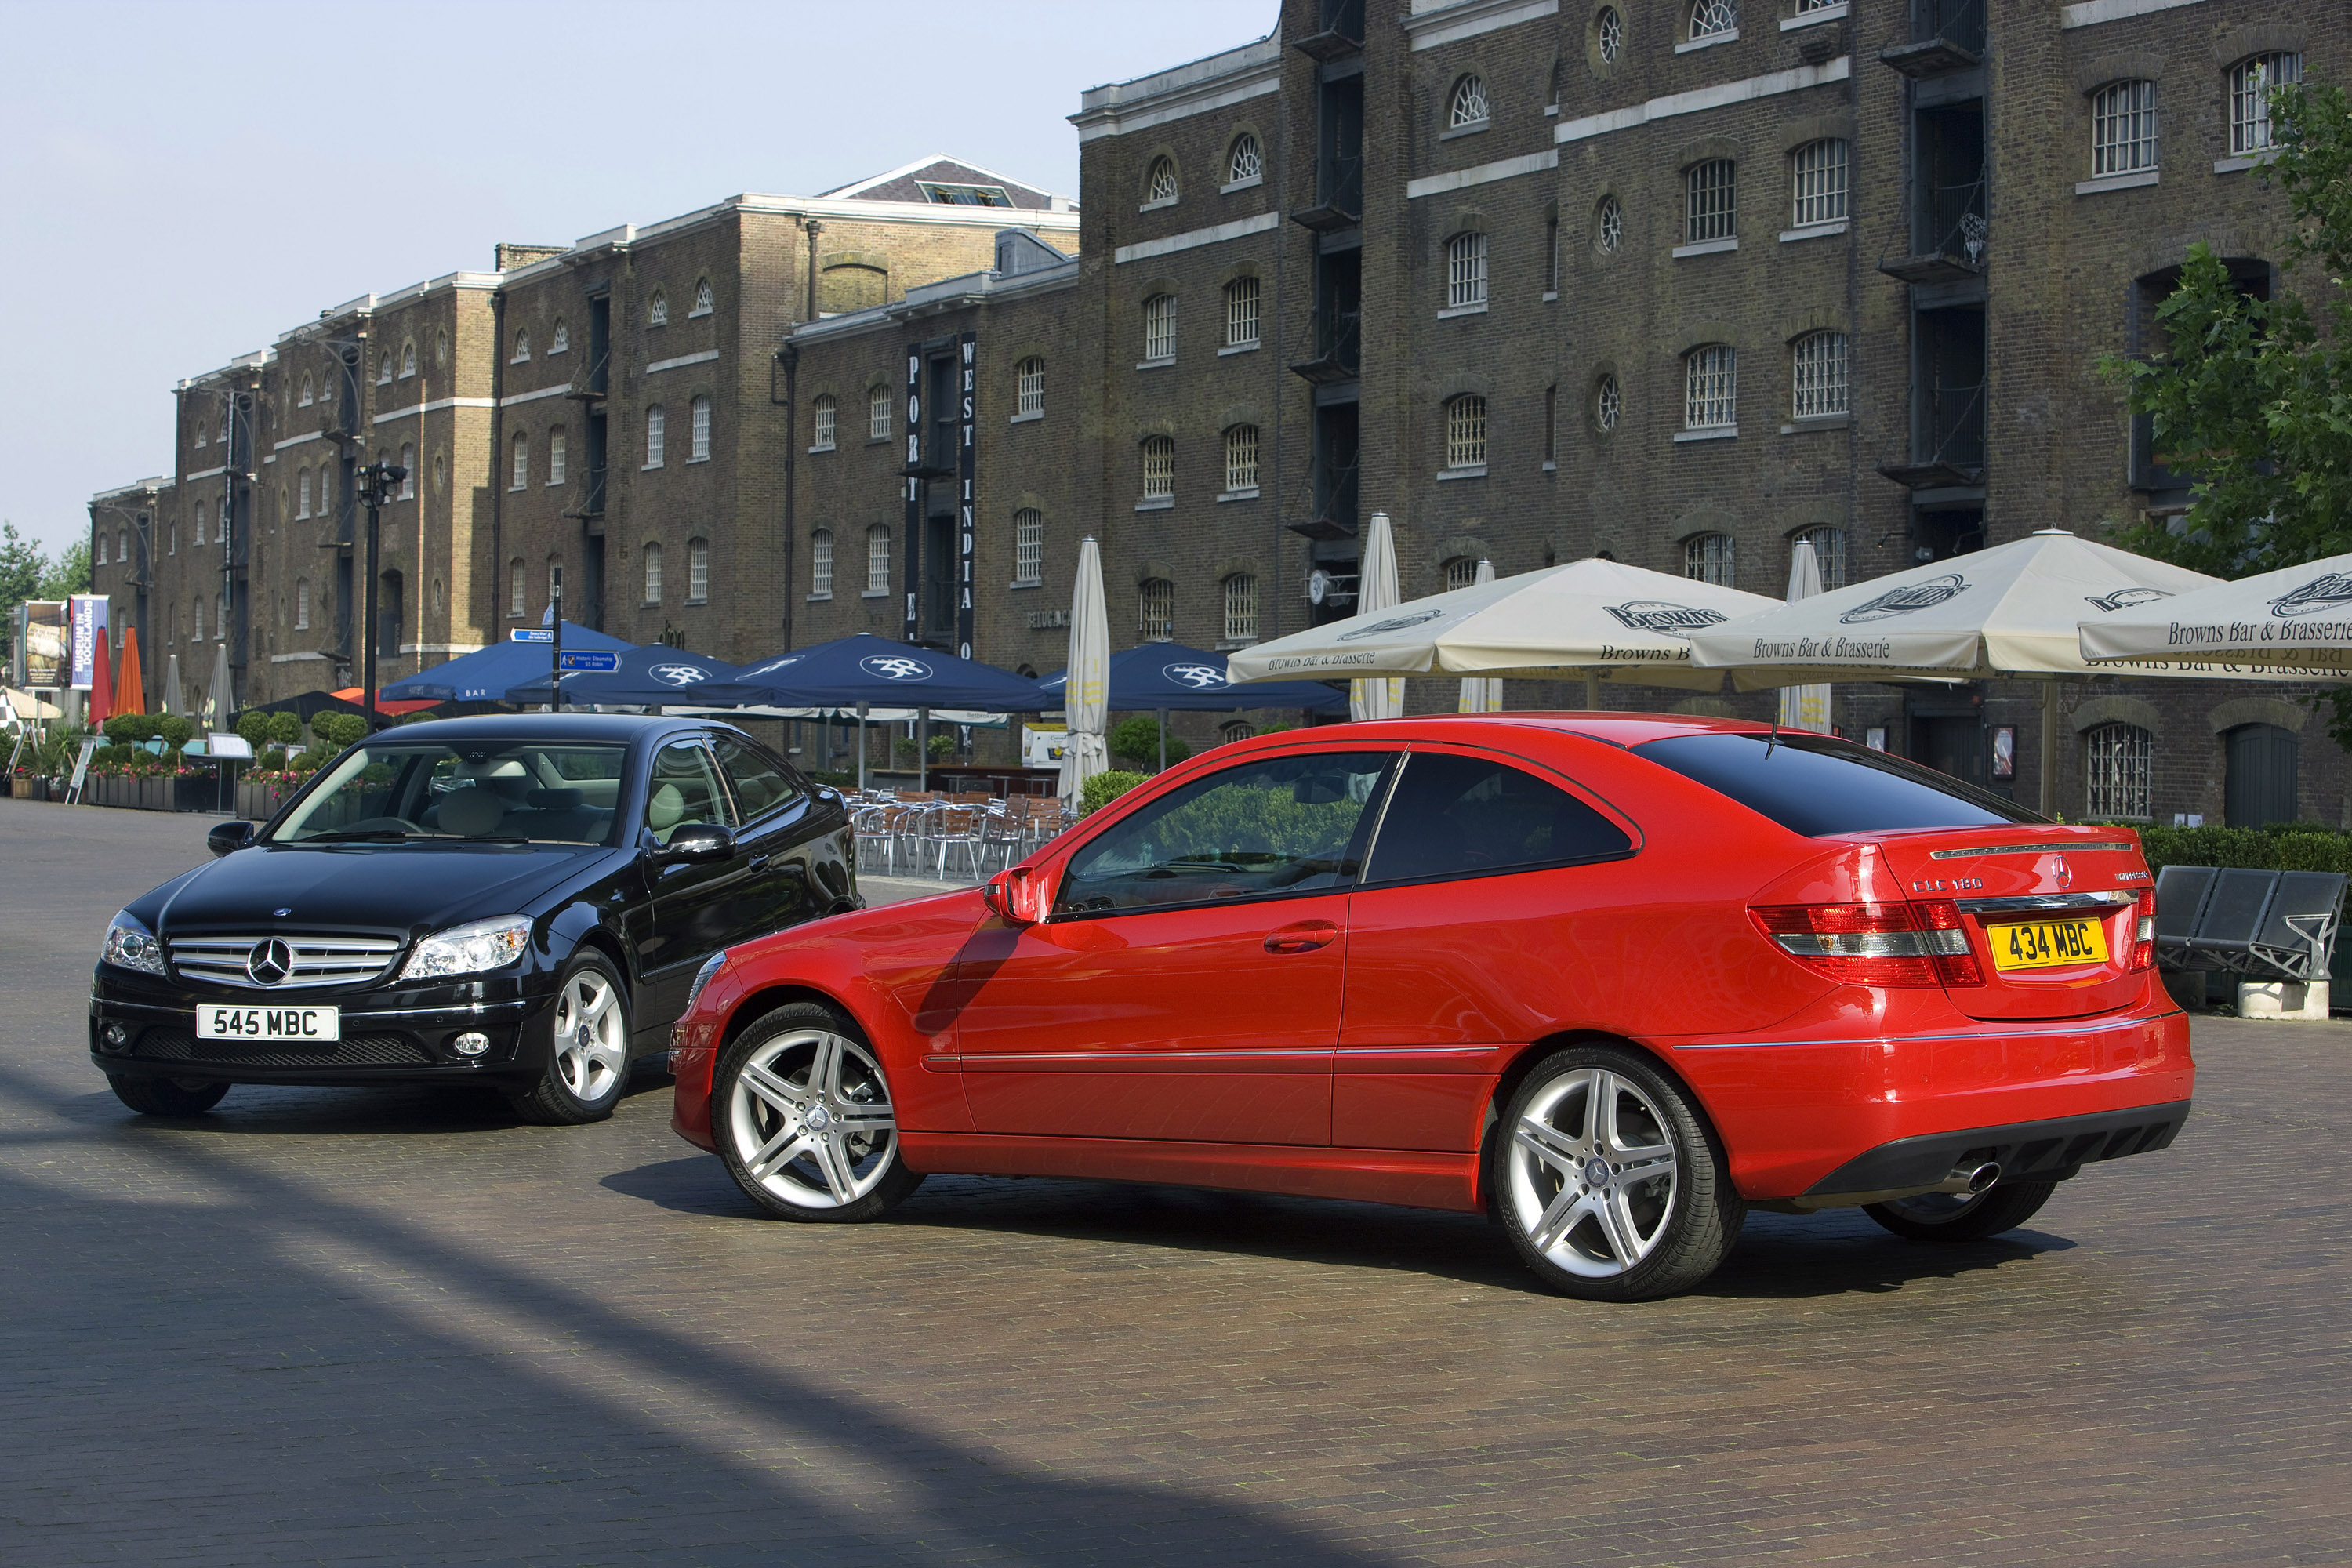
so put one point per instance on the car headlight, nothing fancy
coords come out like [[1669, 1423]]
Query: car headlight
[[130, 945], [469, 949], [701, 978]]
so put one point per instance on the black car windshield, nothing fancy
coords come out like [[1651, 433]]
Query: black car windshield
[[1814, 784], [490, 791]]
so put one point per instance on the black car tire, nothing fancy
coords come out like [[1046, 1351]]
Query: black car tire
[[165, 1096], [1600, 1154], [1937, 1217], [770, 1082], [584, 1079]]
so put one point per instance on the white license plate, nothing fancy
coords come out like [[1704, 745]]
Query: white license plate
[[320, 1025]]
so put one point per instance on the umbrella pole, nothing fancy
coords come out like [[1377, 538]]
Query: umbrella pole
[[2049, 748], [861, 748], [922, 751], [1163, 739], [1591, 691]]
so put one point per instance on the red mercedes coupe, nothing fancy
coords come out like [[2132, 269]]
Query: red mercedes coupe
[[1614, 979]]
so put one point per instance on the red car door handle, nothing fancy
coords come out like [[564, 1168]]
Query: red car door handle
[[1304, 937]]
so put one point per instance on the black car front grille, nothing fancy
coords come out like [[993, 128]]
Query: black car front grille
[[389, 1050]]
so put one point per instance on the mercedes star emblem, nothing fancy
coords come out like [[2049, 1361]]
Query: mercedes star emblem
[[270, 963]]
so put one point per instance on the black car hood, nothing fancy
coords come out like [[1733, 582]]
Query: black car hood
[[397, 887]]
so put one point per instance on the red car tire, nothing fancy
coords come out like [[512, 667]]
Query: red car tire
[[801, 1110]]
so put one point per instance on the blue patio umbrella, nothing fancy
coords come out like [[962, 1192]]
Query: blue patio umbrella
[[486, 676], [1166, 675], [644, 677]]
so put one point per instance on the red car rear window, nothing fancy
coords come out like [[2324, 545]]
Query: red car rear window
[[1817, 784]]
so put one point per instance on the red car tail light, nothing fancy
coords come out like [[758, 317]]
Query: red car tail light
[[2143, 950], [1905, 944]]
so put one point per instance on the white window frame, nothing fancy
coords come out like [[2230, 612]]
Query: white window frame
[[1029, 387], [877, 559], [1828, 544], [1711, 200], [301, 604], [1466, 271], [561, 342], [698, 415], [1241, 312], [2251, 81], [657, 309], [1241, 458], [1244, 161], [1466, 432], [1820, 375], [879, 401], [1467, 105], [1240, 595], [521, 346], [1819, 188], [1712, 19], [1461, 571], [1711, 558], [821, 564], [1609, 34], [652, 567], [407, 470], [519, 464], [1155, 610], [2118, 771], [1028, 548], [698, 571], [1161, 187], [1608, 404], [1711, 387], [557, 456], [2124, 129], [517, 589], [1158, 455], [703, 297], [826, 414], [302, 495], [656, 436], [1159, 329]]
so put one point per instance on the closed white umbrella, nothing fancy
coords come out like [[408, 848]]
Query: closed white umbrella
[[220, 699], [1376, 590], [1086, 692], [175, 698], [1805, 707], [1482, 693], [2292, 623]]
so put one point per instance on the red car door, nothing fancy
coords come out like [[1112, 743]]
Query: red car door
[[1187, 984]]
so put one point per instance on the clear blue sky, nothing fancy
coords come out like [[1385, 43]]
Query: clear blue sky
[[181, 182]]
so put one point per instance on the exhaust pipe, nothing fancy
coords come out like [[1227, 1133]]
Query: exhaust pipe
[[1969, 1181]]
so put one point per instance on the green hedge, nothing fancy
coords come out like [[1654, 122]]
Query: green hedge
[[1104, 788], [2281, 847]]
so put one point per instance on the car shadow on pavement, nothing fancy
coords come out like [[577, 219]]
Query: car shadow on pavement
[[278, 1110], [1843, 1252]]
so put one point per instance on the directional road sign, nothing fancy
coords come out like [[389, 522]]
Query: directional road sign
[[532, 634], [592, 659]]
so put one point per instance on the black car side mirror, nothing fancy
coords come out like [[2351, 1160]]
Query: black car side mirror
[[229, 838], [696, 844]]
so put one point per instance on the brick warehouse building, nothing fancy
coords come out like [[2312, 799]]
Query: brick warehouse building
[[1539, 279]]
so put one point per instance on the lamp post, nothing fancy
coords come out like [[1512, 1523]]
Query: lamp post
[[378, 483]]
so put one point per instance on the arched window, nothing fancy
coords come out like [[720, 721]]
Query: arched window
[[407, 470], [1155, 602], [1243, 162], [1241, 458], [200, 522], [1159, 182], [408, 358], [701, 298], [558, 341], [1462, 572], [1234, 730], [1467, 106], [1818, 361], [307, 398], [1159, 467], [1559, 77], [303, 494], [440, 472], [325, 489], [1029, 387], [555, 456], [1710, 205], [1609, 34], [699, 429], [122, 548], [2123, 129], [1159, 327], [518, 590], [383, 369], [200, 425], [1817, 183], [653, 563], [1466, 271], [828, 414], [1829, 554], [877, 559], [101, 551], [1713, 19], [656, 435], [1711, 387], [1608, 225], [2118, 765], [522, 346], [1241, 607], [301, 604], [1241, 313], [2251, 83], [1028, 547], [520, 477], [1466, 432], [441, 349], [821, 564], [878, 411], [698, 571], [657, 309], [1708, 558]]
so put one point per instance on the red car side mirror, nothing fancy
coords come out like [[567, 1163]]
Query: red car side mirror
[[1016, 896]]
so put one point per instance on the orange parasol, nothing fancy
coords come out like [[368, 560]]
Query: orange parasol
[[131, 691]]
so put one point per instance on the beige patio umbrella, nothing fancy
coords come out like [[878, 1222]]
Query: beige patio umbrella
[[2292, 623], [1481, 693], [1376, 590], [175, 698], [1086, 692], [1805, 707], [220, 699]]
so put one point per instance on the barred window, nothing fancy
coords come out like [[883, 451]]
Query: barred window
[[656, 435], [827, 416], [1609, 33], [878, 412], [303, 494], [1462, 572], [2118, 765], [383, 378], [301, 604], [1241, 607], [522, 346], [1711, 387], [1707, 558], [1028, 547], [1710, 207], [2123, 128], [701, 298], [1817, 182], [1159, 467], [821, 564], [560, 341], [657, 309], [200, 618], [1156, 610], [517, 589], [1465, 270], [1241, 313], [1244, 162], [1608, 402], [1159, 184], [698, 430], [1609, 225], [1241, 458], [101, 541], [698, 571], [555, 456], [407, 359], [200, 523], [1469, 103], [1159, 327], [1466, 432], [877, 559], [1820, 371], [2251, 81], [1713, 19], [653, 555], [1029, 386], [519, 477], [1829, 552]]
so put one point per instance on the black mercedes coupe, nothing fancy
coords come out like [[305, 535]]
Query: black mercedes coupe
[[524, 903]]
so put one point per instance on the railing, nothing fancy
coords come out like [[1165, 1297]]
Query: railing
[[1959, 22], [1955, 434], [1339, 182], [1956, 224]]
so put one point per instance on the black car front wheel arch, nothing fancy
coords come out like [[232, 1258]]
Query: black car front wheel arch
[[588, 1055]]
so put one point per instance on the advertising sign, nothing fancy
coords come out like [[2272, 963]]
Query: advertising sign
[[1041, 745], [87, 619], [44, 644]]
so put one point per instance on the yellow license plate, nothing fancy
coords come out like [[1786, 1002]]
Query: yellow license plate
[[2047, 944]]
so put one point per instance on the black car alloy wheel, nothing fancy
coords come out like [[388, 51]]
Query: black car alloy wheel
[[588, 1061]]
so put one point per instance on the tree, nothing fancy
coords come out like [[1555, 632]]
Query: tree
[[68, 574], [2253, 397], [22, 566]]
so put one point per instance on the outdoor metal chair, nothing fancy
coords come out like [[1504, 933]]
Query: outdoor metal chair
[[2297, 939], [2233, 917], [2180, 895]]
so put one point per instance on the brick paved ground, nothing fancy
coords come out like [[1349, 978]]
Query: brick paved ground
[[349, 1328]]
